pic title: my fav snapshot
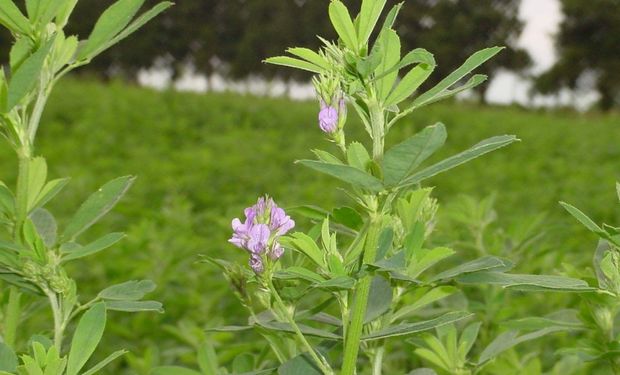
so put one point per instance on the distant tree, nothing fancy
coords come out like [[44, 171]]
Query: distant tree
[[454, 29], [588, 45]]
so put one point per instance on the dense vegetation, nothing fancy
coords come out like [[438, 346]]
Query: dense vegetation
[[201, 158]]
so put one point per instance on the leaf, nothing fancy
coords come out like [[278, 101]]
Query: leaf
[[310, 56], [357, 156], [26, 77], [306, 245], [12, 17], [509, 340], [405, 157], [128, 291], [134, 306], [474, 81], [86, 337], [294, 63], [142, 20], [426, 299], [527, 282], [302, 273], [535, 323], [470, 64], [49, 191], [468, 338], [427, 258], [368, 17], [341, 20], [45, 225], [301, 364], [94, 247], [37, 174], [389, 43], [379, 298], [347, 217], [7, 200], [484, 147], [486, 263], [391, 16], [346, 173], [97, 205], [583, 219], [409, 84], [111, 22], [173, 370], [207, 359], [411, 328], [8, 359], [417, 56], [105, 362], [306, 330]]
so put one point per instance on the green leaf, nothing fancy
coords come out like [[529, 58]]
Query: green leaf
[[112, 21], [346, 173], [618, 190], [409, 84], [77, 252], [97, 205], [49, 191], [486, 263], [368, 17], [527, 282], [310, 56], [379, 298], [306, 330], [207, 359], [470, 64], [425, 259], [142, 20], [583, 219], [347, 217], [474, 81], [426, 299], [389, 43], [302, 273], [173, 370], [46, 227], [411, 328], [105, 362], [7, 200], [294, 63], [128, 291], [32, 7], [306, 245], [12, 18], [510, 339], [301, 364], [37, 174], [339, 15], [8, 359], [535, 323], [65, 12], [391, 16], [357, 156], [417, 56], [22, 48], [86, 337], [484, 147], [468, 338], [134, 306], [402, 159], [26, 77]]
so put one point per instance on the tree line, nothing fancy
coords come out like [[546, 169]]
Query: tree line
[[232, 37]]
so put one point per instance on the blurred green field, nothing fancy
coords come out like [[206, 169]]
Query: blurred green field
[[201, 159]]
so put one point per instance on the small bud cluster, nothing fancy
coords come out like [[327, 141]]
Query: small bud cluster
[[53, 278]]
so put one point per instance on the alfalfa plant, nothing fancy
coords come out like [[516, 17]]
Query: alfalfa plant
[[33, 251], [329, 300]]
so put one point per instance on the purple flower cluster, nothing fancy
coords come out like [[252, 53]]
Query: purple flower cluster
[[329, 116], [264, 223]]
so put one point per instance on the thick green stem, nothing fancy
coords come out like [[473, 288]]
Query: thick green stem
[[12, 317], [354, 334], [319, 360]]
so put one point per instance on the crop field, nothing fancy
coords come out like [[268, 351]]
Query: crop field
[[200, 159]]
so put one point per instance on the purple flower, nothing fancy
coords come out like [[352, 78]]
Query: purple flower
[[328, 118], [264, 223]]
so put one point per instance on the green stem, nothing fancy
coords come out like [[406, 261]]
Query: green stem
[[377, 122], [319, 360], [378, 360], [55, 304], [12, 317], [354, 334], [21, 209]]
